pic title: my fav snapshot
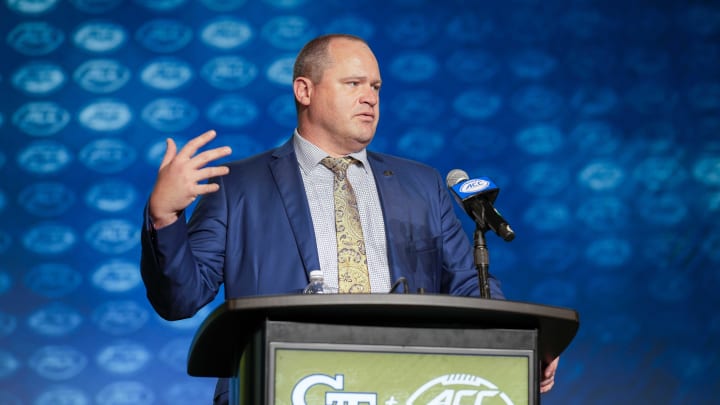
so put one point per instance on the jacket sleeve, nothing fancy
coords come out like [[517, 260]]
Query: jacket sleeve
[[182, 269]]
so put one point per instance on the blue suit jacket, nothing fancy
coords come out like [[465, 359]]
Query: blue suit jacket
[[256, 236]]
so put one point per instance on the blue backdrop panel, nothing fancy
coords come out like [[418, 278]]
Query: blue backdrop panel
[[599, 120]]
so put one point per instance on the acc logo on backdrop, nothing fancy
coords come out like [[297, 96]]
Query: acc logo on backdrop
[[112, 236], [32, 7], [111, 196], [55, 319], [99, 36], [96, 6], [477, 104], [101, 75], [226, 33], [62, 395], [117, 276], [169, 114], [48, 238], [229, 72], [166, 74], [414, 66], [532, 64], [281, 70], [35, 38], [164, 36], [107, 155], [125, 393], [8, 323], [288, 32], [105, 116], [8, 364], [123, 357], [38, 78], [58, 362], [5, 282], [120, 317], [232, 111], [53, 280], [41, 118], [282, 110], [47, 199], [161, 5]]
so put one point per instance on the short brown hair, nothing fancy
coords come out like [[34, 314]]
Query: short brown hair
[[313, 58]]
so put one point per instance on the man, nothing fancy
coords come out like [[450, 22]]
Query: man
[[265, 222]]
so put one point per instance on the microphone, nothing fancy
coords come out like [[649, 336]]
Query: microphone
[[477, 196]]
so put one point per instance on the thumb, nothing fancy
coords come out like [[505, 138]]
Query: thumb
[[170, 152]]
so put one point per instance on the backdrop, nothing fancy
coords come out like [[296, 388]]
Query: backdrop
[[598, 119]]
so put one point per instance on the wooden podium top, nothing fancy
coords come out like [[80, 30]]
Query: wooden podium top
[[229, 327]]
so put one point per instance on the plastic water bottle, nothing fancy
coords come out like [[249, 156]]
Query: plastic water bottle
[[317, 284]]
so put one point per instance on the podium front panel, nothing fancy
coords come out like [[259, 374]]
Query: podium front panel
[[325, 364]]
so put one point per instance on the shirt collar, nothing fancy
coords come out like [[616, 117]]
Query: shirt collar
[[309, 155]]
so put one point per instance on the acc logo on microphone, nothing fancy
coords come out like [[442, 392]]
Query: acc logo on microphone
[[101, 75], [166, 74], [41, 118], [474, 185], [38, 79], [164, 36], [35, 38], [99, 36]]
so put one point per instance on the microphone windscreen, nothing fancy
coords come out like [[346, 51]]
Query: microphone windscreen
[[456, 176]]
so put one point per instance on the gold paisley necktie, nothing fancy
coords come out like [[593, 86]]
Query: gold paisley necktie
[[353, 276]]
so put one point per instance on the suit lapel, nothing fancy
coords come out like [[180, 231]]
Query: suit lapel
[[285, 172]]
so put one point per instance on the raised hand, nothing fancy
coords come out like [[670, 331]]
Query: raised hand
[[180, 175]]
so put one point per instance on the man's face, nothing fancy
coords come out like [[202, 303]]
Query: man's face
[[345, 105]]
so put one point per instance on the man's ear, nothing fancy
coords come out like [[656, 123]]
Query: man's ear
[[302, 87]]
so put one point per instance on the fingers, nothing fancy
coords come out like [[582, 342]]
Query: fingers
[[549, 371], [170, 151], [547, 384], [203, 158], [196, 143], [210, 172]]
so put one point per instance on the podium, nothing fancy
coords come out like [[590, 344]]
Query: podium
[[378, 349]]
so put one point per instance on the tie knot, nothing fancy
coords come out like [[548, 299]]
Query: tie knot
[[338, 165]]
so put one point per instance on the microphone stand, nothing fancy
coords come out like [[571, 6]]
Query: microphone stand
[[482, 261]]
